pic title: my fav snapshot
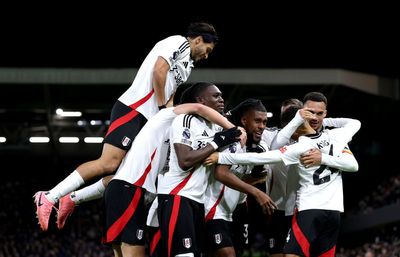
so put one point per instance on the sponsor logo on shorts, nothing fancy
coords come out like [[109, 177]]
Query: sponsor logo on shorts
[[218, 238], [187, 243], [139, 234], [126, 141]]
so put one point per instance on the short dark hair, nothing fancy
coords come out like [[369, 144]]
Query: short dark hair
[[287, 103], [191, 93], [203, 29], [235, 115], [292, 102], [289, 114], [315, 97]]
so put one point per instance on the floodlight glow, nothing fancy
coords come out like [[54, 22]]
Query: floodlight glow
[[63, 113], [3, 139], [72, 140], [93, 140], [39, 139], [270, 114]]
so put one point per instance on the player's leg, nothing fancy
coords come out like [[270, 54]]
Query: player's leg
[[68, 202], [126, 124], [117, 250], [218, 238], [125, 217], [45, 201], [132, 250]]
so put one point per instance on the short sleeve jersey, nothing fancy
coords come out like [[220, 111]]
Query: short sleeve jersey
[[222, 200], [321, 186], [140, 95], [196, 133]]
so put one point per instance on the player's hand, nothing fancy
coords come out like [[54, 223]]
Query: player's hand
[[212, 159], [310, 158], [243, 136], [306, 114], [227, 137], [268, 206]]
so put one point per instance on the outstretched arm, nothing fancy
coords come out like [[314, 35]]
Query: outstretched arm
[[244, 158], [223, 174], [204, 111], [284, 135], [345, 161]]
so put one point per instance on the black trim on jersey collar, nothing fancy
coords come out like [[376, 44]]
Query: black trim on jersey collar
[[315, 135]]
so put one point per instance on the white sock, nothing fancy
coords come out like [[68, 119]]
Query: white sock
[[92, 192], [69, 184]]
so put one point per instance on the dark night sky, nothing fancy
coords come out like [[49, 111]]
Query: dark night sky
[[115, 36]]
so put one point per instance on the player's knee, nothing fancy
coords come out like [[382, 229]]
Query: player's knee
[[185, 255], [110, 165]]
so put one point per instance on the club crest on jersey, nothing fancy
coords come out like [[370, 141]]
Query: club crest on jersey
[[218, 238], [186, 133], [232, 148], [126, 141], [139, 234], [187, 242]]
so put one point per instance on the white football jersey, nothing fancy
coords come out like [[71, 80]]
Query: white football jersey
[[221, 200], [140, 95], [147, 156], [196, 132], [320, 187]]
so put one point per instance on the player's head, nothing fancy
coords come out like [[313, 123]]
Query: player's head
[[251, 114], [316, 103], [202, 38], [205, 93], [287, 103]]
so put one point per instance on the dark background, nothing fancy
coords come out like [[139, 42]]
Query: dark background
[[361, 38]]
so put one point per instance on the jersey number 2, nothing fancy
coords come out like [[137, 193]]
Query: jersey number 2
[[327, 178]]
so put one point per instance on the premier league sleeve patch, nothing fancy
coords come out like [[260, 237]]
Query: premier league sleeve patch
[[233, 148], [186, 137], [186, 133]]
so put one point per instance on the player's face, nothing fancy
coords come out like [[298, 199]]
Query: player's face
[[254, 123], [201, 50], [318, 109], [212, 97]]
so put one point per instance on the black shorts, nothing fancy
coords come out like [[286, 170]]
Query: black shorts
[[154, 236], [313, 233], [240, 227], [277, 231], [182, 225], [125, 213], [125, 124], [218, 234]]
